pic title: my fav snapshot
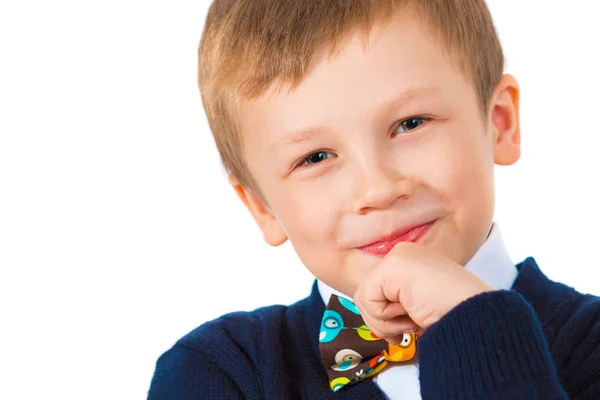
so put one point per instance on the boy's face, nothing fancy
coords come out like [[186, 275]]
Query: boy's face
[[373, 144]]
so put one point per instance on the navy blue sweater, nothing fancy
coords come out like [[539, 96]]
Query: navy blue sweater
[[541, 340]]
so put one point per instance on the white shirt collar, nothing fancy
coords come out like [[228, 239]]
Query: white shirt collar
[[491, 263]]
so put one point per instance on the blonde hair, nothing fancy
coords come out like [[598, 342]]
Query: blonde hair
[[250, 45]]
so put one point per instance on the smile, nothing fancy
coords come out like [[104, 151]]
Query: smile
[[383, 246]]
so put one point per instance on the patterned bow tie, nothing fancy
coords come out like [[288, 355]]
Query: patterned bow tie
[[350, 351]]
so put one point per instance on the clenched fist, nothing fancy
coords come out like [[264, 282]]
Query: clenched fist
[[411, 289]]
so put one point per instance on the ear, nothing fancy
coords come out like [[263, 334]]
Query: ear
[[269, 225], [506, 129]]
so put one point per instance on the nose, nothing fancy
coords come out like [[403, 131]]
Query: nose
[[380, 187]]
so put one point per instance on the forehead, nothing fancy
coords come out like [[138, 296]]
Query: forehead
[[401, 62]]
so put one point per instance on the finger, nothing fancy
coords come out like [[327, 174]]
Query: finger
[[391, 281], [389, 311], [374, 301], [392, 328]]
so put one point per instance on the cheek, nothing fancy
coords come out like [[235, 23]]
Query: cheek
[[310, 218], [466, 179], [468, 176], [458, 166]]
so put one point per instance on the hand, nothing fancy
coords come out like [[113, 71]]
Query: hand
[[411, 289]]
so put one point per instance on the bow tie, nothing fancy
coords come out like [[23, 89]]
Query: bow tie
[[350, 351]]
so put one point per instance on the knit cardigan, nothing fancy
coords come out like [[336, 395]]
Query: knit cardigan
[[540, 340]]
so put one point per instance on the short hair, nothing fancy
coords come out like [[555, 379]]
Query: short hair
[[248, 46]]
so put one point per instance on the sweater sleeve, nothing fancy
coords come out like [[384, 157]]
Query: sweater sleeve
[[576, 349], [183, 373], [491, 346]]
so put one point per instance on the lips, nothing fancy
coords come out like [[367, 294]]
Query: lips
[[383, 245]]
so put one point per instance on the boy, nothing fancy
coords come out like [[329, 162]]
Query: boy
[[366, 132]]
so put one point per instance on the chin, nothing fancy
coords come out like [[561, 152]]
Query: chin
[[448, 242]]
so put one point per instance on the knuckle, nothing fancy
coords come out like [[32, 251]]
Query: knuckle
[[387, 330], [377, 328], [428, 316]]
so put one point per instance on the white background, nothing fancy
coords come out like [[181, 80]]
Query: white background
[[119, 233]]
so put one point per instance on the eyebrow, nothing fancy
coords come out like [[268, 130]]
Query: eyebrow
[[401, 100], [303, 135], [404, 98]]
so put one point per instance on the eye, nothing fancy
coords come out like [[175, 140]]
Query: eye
[[331, 326], [350, 357], [331, 323], [410, 124], [346, 359], [406, 340], [316, 158]]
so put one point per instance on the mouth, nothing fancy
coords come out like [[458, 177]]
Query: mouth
[[384, 245]]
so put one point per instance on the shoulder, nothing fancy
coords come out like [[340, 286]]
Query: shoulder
[[236, 331], [555, 303], [233, 356], [571, 324]]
